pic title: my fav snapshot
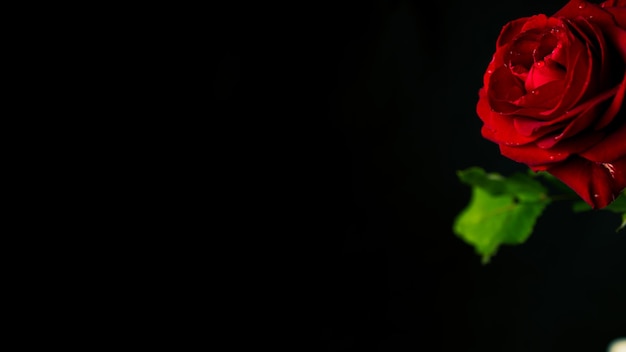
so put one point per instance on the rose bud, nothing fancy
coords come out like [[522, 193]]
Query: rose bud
[[553, 96]]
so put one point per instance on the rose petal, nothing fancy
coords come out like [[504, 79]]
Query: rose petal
[[611, 148], [535, 103], [534, 128], [543, 72], [610, 3], [616, 105], [581, 73], [500, 130], [607, 18], [602, 67], [573, 10], [618, 37], [598, 184], [539, 21], [497, 128], [503, 89], [530, 154], [572, 145], [537, 127], [510, 30], [533, 154], [619, 14], [582, 122]]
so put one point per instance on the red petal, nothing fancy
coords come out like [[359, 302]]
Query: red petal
[[611, 148], [616, 105], [533, 155], [610, 3], [543, 72], [598, 184], [619, 14], [497, 128]]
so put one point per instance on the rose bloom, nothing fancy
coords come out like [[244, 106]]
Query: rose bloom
[[553, 97]]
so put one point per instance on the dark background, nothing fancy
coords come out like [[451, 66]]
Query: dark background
[[361, 113]]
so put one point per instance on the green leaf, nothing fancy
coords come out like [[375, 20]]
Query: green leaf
[[501, 210], [580, 206], [476, 176], [623, 226], [618, 205], [495, 184]]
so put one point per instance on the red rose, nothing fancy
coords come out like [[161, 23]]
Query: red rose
[[553, 96]]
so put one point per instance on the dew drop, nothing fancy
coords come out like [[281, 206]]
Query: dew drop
[[534, 92], [551, 157], [489, 71], [596, 195], [582, 4], [539, 63]]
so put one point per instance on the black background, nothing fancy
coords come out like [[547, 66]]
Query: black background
[[361, 113]]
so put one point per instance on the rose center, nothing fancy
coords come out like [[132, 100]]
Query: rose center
[[532, 57], [530, 47]]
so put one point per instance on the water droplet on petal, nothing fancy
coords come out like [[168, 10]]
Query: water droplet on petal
[[582, 4], [534, 92], [590, 17], [489, 71], [551, 157], [539, 63], [596, 195]]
